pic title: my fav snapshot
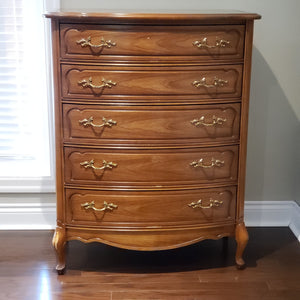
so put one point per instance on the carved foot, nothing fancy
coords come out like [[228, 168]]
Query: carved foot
[[59, 243], [60, 271], [241, 237]]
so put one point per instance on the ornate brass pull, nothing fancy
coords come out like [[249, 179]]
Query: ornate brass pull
[[214, 163], [103, 43], [106, 206], [106, 165], [89, 83], [204, 44], [216, 83], [212, 203], [215, 121], [89, 122]]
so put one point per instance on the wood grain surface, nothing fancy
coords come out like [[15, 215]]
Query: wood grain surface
[[150, 41], [154, 209], [150, 167], [158, 125], [154, 81], [204, 270], [155, 16]]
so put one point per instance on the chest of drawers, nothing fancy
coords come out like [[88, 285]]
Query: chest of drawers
[[151, 127]]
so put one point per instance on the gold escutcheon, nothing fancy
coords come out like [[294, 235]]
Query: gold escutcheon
[[212, 203], [106, 206], [89, 122], [103, 43], [204, 44], [88, 83], [106, 165], [213, 163], [215, 121], [216, 83]]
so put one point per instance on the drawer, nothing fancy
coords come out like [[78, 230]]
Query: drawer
[[92, 82], [156, 168], [102, 42], [110, 208], [161, 124]]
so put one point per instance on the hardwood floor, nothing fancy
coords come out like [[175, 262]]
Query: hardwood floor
[[202, 271]]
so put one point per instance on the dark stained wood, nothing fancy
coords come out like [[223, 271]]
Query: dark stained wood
[[150, 42], [151, 86], [200, 271]]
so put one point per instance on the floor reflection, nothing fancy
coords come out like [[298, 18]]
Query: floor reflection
[[44, 284]]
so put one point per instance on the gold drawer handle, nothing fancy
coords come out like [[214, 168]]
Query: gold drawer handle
[[204, 44], [103, 43], [90, 164], [214, 163], [89, 122], [106, 206], [212, 203], [216, 83], [89, 83], [215, 121]]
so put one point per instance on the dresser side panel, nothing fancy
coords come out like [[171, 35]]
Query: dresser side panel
[[58, 122], [244, 121]]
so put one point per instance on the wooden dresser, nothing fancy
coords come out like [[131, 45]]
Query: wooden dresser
[[151, 127]]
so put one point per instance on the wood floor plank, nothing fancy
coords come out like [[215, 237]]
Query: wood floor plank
[[254, 287], [282, 295], [185, 295], [203, 271], [125, 278], [284, 284]]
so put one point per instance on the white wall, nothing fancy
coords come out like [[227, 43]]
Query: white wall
[[273, 148]]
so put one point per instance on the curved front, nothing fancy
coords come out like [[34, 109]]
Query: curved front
[[151, 168], [150, 239]]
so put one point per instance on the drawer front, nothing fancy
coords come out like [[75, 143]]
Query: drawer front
[[150, 167], [110, 208], [92, 82], [205, 123], [101, 42]]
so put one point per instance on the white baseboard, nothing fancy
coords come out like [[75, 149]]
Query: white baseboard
[[295, 220], [27, 216], [273, 214], [268, 213], [34, 216]]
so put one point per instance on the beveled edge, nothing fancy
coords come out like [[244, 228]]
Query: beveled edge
[[155, 18]]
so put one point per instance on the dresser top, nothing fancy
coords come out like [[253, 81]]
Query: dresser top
[[156, 16]]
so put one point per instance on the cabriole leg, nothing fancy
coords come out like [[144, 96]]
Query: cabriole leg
[[241, 237], [59, 243]]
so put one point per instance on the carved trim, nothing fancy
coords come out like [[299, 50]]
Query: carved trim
[[173, 246], [110, 236]]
